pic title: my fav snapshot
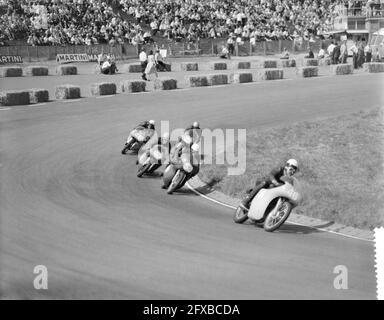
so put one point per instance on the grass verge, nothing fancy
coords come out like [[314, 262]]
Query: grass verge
[[341, 166]]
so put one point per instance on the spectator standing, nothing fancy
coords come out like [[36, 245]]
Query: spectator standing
[[143, 61], [336, 53], [231, 45], [151, 66], [368, 53], [354, 54], [376, 56], [159, 61], [285, 54], [360, 55], [343, 52]]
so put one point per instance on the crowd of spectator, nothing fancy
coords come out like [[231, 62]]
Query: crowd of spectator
[[258, 19], [61, 22]]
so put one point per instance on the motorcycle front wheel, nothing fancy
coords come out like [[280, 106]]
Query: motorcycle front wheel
[[240, 216], [177, 179], [143, 169], [277, 216]]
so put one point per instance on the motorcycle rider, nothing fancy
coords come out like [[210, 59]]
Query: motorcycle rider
[[147, 124], [273, 178], [194, 131], [163, 144], [180, 149]]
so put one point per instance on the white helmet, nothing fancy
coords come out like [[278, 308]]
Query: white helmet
[[195, 147], [196, 125], [187, 139], [165, 137], [293, 163], [152, 122]]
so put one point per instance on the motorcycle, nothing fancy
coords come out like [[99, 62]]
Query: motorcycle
[[148, 163], [136, 139], [271, 207], [175, 175]]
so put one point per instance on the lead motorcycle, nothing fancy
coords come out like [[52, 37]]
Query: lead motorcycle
[[271, 207], [136, 139], [150, 162]]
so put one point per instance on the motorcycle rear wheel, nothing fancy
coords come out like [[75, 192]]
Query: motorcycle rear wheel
[[275, 219], [240, 216]]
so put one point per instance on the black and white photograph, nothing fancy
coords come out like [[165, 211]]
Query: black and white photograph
[[191, 150]]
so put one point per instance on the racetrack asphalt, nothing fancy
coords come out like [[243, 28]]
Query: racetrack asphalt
[[72, 202]]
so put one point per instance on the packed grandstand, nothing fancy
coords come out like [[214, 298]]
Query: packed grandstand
[[87, 22]]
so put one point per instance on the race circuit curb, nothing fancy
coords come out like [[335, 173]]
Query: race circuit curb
[[209, 193]]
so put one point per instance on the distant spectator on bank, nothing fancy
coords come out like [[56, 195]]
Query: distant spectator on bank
[[343, 52], [285, 54], [310, 54], [354, 51], [225, 53], [109, 66], [368, 53], [321, 54], [147, 37], [160, 65], [376, 56], [143, 61], [360, 55], [231, 45], [330, 49], [151, 66], [336, 53]]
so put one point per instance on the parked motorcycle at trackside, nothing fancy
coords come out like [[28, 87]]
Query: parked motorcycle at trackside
[[136, 139], [271, 207]]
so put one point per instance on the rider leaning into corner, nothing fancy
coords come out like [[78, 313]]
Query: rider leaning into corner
[[162, 142], [194, 132], [273, 178], [185, 149]]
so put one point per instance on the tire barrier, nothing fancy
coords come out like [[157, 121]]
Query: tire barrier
[[373, 67], [66, 70], [242, 65], [132, 86], [189, 66], [267, 64], [307, 72], [103, 89], [325, 62], [196, 81], [11, 72], [218, 65], [36, 71], [288, 63], [14, 97], [38, 95], [240, 77], [341, 69], [310, 63], [132, 68], [165, 84], [67, 91], [217, 79], [271, 74]]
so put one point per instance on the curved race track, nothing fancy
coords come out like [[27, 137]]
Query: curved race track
[[71, 201]]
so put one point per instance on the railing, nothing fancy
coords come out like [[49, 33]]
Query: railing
[[206, 47]]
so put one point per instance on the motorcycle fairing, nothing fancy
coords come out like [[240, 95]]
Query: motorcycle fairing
[[264, 197]]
